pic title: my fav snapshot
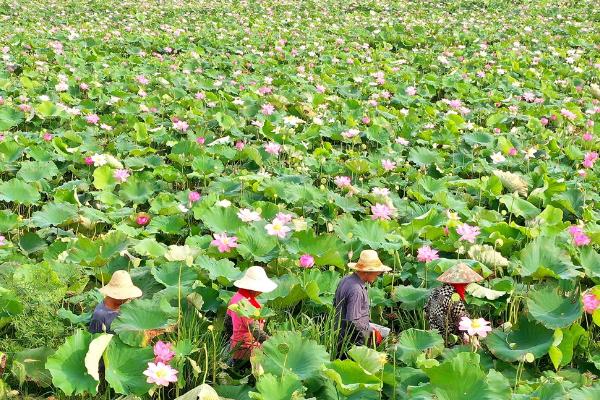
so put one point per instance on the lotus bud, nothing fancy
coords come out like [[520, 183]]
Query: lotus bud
[[499, 242], [529, 357]]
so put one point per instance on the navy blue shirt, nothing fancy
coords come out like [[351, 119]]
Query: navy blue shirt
[[102, 318], [352, 309]]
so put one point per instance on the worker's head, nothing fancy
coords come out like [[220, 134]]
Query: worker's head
[[255, 281], [120, 288], [368, 276], [369, 266]]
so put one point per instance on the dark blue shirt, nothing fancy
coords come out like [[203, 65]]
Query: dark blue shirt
[[102, 318], [352, 309]]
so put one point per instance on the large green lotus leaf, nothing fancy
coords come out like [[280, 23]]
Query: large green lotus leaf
[[9, 118], [370, 360], [350, 377], [114, 242], [33, 171], [172, 224], [232, 391], [348, 204], [124, 367], [288, 293], [571, 200], [31, 242], [222, 270], [285, 387], [410, 297], [175, 274], [150, 247], [19, 192], [309, 243], [103, 177], [10, 304], [8, 220], [54, 214], [551, 309], [424, 157], [413, 342], [206, 166], [590, 261], [221, 219], [289, 351], [139, 316], [371, 233], [67, 366], [519, 207], [542, 258], [136, 190], [254, 243], [526, 337], [462, 377], [30, 365], [585, 393]]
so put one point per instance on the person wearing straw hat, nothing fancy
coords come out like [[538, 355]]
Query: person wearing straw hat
[[246, 333], [445, 306], [351, 301], [117, 292]]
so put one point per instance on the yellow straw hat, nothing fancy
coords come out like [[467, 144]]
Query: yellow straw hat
[[369, 262], [121, 287]]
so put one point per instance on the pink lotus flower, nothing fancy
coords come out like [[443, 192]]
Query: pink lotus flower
[[89, 161], [264, 90], [474, 327], [578, 235], [193, 197], [366, 120], [240, 145], [84, 86], [587, 136], [200, 96], [411, 91], [277, 228], [47, 137], [273, 148], [381, 211], [590, 159], [267, 109], [284, 218], [200, 140], [163, 352], [402, 141], [320, 88], [121, 175], [544, 121], [350, 133], [468, 233], [247, 215], [160, 374], [142, 220], [307, 261], [388, 165], [181, 126], [568, 114], [513, 152], [92, 119], [223, 242], [427, 254], [342, 181], [590, 303], [2, 240], [142, 80]]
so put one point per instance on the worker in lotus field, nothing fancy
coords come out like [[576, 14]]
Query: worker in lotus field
[[246, 334], [445, 306], [117, 292], [352, 305]]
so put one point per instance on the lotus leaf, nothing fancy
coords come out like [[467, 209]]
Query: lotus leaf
[[413, 342], [29, 365], [270, 387], [553, 310], [350, 377], [526, 337], [124, 367], [139, 317]]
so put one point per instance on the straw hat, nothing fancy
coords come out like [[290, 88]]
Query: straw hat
[[255, 278], [120, 287], [369, 262], [460, 273]]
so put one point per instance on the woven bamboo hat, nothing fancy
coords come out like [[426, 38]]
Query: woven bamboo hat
[[460, 273], [121, 287], [369, 262], [255, 278]]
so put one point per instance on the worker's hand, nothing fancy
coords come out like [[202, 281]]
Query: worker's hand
[[378, 337]]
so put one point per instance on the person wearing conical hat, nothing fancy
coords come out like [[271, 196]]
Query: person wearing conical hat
[[444, 312], [351, 301], [245, 333], [117, 292]]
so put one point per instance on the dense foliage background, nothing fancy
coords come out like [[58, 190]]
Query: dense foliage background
[[147, 135]]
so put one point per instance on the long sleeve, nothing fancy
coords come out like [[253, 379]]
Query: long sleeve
[[355, 313]]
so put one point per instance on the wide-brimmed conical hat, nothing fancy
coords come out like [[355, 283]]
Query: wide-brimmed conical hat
[[121, 287], [255, 278], [460, 273], [369, 262]]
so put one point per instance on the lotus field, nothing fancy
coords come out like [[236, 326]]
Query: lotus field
[[186, 141]]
